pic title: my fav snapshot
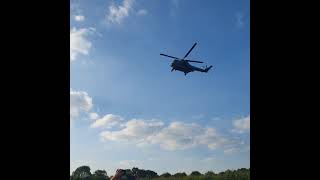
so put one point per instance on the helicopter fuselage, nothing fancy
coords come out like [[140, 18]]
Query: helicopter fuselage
[[184, 66]]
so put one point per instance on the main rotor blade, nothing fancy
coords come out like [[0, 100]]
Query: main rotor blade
[[190, 50], [169, 56], [194, 61]]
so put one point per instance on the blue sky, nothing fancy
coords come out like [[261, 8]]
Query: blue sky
[[126, 106]]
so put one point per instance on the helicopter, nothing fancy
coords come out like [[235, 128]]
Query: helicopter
[[183, 64]]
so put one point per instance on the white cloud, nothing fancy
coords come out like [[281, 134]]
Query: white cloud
[[79, 44], [142, 12], [212, 139], [118, 13], [178, 135], [79, 18], [175, 136], [94, 116], [80, 102], [107, 121], [241, 125], [143, 133], [135, 130], [81, 106]]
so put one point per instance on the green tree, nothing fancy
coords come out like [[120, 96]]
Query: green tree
[[100, 175], [135, 171], [151, 174], [180, 174], [209, 173], [82, 172], [195, 173], [165, 175]]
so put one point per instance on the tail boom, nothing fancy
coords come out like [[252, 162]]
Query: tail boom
[[207, 69]]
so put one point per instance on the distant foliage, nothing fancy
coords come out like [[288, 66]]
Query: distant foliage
[[180, 174], [83, 173], [165, 175], [195, 173]]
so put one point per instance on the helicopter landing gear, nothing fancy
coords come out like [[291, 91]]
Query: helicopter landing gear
[[185, 74]]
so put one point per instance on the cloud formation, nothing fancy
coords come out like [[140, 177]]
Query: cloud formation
[[175, 136], [80, 101], [118, 13], [81, 104], [135, 130], [241, 125], [107, 121], [79, 18], [79, 44]]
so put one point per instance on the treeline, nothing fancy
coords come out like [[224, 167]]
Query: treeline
[[84, 173]]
